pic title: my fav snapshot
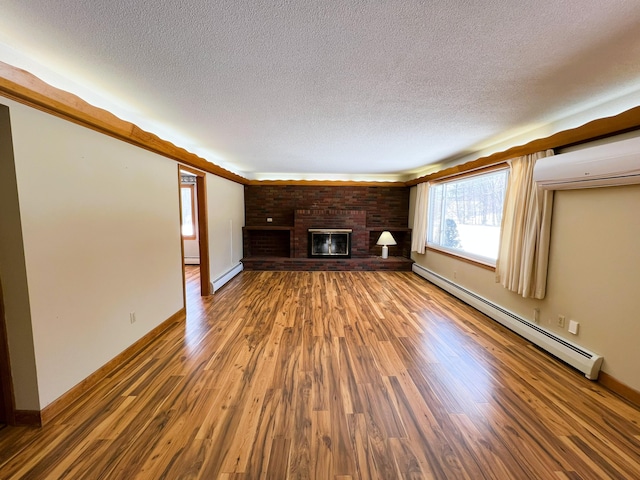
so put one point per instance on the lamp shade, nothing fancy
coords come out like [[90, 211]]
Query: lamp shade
[[386, 239]]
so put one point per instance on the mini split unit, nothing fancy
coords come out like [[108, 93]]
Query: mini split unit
[[612, 164]]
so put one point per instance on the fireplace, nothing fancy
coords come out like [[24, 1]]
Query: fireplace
[[330, 242]]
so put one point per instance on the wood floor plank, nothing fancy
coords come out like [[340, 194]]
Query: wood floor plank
[[343, 458], [333, 375], [427, 422], [299, 414], [279, 458], [348, 387], [407, 464], [258, 457], [322, 445], [479, 445]]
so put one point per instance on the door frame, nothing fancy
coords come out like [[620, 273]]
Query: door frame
[[203, 231], [7, 399]]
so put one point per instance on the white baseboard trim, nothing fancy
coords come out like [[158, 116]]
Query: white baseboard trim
[[587, 362], [219, 282], [192, 260]]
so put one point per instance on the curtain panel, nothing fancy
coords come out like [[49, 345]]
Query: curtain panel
[[523, 256], [419, 232]]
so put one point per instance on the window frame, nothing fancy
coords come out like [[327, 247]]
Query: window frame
[[466, 257], [191, 189]]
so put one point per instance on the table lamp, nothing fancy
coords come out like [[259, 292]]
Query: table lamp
[[386, 239]]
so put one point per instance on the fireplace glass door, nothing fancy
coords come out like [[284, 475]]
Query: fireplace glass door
[[329, 243]]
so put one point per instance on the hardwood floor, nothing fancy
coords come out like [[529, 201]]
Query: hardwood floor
[[334, 375]]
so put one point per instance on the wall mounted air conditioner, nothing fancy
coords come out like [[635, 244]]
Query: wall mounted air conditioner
[[612, 164]]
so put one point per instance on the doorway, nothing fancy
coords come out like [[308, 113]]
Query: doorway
[[194, 228]]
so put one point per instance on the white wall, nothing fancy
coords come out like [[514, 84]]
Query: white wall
[[594, 275], [100, 221], [225, 212]]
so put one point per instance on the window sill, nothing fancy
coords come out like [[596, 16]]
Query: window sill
[[471, 261]]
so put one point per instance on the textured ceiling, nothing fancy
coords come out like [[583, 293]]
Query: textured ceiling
[[293, 89]]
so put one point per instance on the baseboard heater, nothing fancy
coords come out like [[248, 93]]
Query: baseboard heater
[[587, 362], [219, 282]]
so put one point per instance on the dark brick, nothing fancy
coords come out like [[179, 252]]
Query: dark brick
[[321, 264], [366, 210]]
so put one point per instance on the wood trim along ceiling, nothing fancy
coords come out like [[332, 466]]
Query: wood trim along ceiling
[[23, 87], [28, 89], [600, 128], [327, 183]]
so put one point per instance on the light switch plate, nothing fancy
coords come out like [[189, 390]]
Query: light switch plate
[[573, 327]]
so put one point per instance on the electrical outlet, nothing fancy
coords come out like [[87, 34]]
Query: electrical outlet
[[132, 317], [269, 219], [536, 315], [561, 321]]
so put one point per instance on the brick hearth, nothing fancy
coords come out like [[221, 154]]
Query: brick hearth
[[327, 264]]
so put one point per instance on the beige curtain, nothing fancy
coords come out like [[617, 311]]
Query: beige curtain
[[526, 229], [419, 232]]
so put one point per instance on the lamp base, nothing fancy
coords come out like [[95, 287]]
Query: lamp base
[[385, 251]]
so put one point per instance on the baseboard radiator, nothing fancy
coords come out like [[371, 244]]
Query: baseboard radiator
[[192, 260], [219, 282], [587, 362]]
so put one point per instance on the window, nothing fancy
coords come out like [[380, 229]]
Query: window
[[188, 212], [465, 215]]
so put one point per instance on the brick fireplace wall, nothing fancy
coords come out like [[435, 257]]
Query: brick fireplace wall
[[276, 243], [373, 209], [385, 206]]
